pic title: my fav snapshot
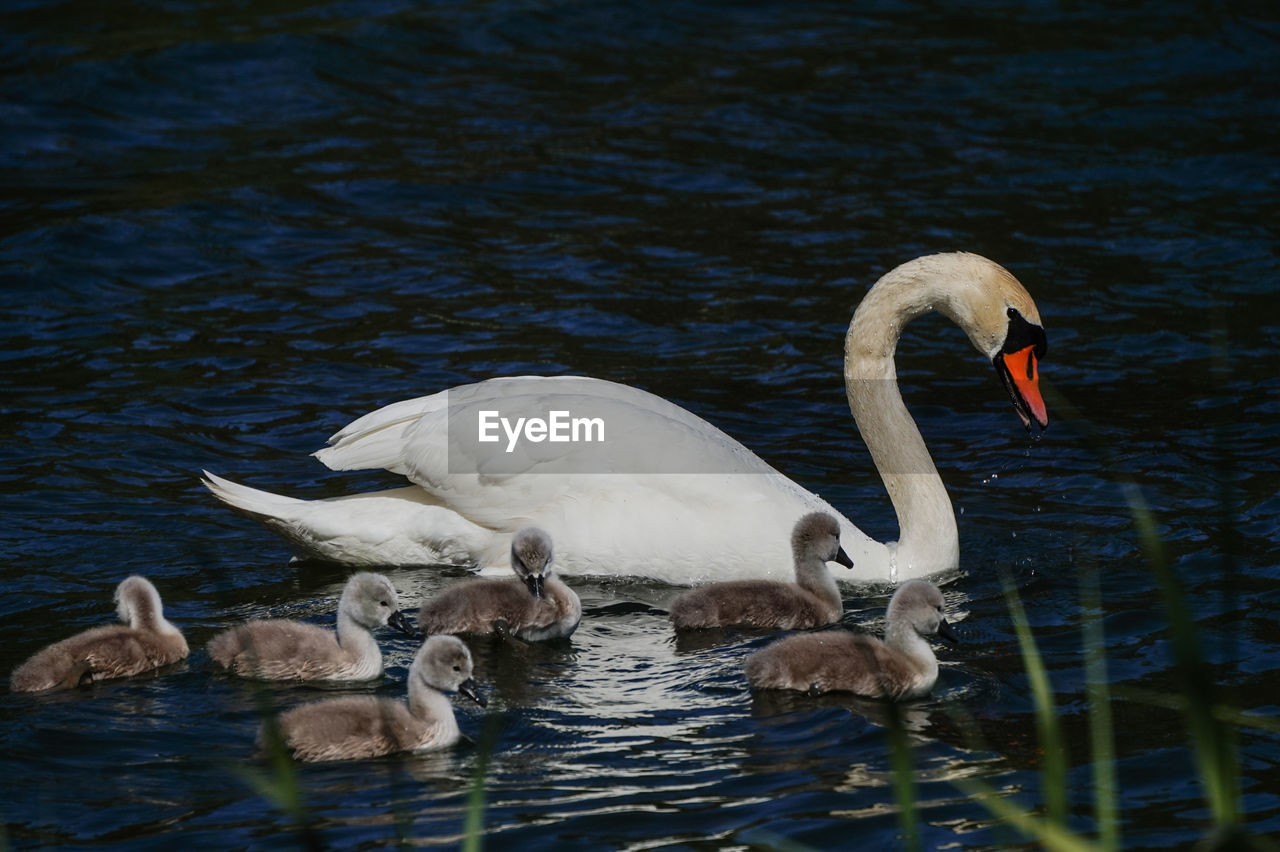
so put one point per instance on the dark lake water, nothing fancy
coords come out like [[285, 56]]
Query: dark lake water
[[228, 229]]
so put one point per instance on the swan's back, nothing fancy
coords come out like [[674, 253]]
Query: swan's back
[[901, 666], [353, 728], [101, 653], [429, 441], [477, 606], [835, 661], [146, 643], [812, 601], [280, 649], [410, 437], [751, 603]]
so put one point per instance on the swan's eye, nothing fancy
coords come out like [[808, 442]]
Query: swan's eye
[[1010, 313]]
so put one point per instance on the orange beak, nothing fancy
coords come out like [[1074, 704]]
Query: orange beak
[[1022, 380]]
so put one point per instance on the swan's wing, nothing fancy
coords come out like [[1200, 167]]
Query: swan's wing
[[665, 494], [99, 653], [603, 427], [352, 728], [467, 449]]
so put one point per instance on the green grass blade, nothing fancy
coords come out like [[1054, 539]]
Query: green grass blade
[[1053, 770], [1223, 713], [1213, 742], [1101, 734], [280, 783], [473, 823], [1049, 835], [904, 787]]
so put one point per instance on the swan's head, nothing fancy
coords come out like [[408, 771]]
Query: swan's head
[[917, 604], [817, 534], [371, 601], [1004, 324], [444, 663], [993, 308], [138, 603], [531, 558]]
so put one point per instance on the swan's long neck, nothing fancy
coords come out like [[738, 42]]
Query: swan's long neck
[[358, 641], [142, 610], [433, 707], [812, 574], [927, 539], [902, 637]]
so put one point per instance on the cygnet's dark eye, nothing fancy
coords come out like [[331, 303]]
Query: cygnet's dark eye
[[384, 603], [457, 668]]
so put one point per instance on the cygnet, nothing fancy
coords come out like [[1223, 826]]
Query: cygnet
[[280, 649], [900, 667], [535, 606], [145, 641], [365, 726], [811, 601]]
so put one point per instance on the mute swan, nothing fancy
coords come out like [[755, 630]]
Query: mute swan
[[668, 496], [144, 642], [534, 607], [811, 601], [280, 649], [360, 727], [900, 667]]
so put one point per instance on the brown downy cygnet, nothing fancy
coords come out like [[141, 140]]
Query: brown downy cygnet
[[365, 726], [899, 667], [811, 601], [144, 642], [535, 606], [280, 649]]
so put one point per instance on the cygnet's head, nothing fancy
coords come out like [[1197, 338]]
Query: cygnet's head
[[918, 603], [531, 558], [817, 534], [372, 602], [444, 663], [138, 602]]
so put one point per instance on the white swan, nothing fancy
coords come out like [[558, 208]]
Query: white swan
[[668, 495]]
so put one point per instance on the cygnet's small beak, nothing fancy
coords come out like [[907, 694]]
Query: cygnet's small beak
[[534, 582], [468, 688], [401, 623], [945, 632], [843, 558]]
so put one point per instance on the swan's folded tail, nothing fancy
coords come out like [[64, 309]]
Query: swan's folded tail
[[399, 526], [250, 501]]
